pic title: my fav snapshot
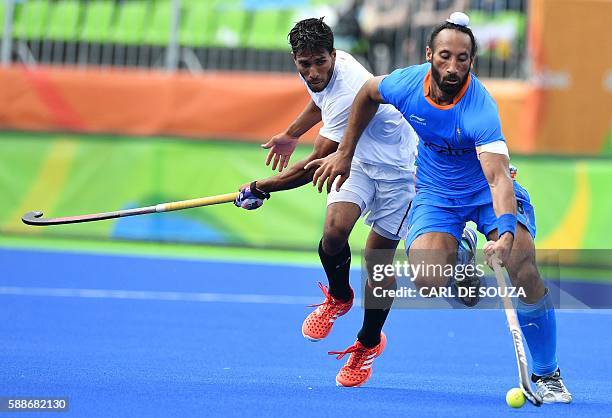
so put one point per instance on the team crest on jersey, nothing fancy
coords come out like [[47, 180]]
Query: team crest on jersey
[[414, 118]]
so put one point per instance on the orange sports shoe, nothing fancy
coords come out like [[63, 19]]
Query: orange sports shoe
[[358, 368], [319, 323]]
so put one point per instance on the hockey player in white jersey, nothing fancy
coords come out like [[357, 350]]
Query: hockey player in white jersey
[[380, 188]]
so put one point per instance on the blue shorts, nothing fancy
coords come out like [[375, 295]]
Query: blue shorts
[[435, 214]]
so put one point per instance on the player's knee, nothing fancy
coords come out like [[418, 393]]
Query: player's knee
[[335, 237], [429, 269]]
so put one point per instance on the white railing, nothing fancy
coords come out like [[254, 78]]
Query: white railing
[[499, 25]]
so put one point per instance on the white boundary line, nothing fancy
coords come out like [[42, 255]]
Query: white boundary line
[[157, 295]]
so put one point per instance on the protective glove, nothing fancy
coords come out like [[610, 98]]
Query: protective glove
[[250, 197]]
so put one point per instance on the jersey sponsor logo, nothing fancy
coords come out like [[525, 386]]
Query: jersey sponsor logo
[[447, 150], [414, 118]]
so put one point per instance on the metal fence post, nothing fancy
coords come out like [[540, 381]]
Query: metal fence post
[[7, 38], [173, 47]]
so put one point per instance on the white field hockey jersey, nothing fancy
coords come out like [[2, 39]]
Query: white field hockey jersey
[[388, 140]]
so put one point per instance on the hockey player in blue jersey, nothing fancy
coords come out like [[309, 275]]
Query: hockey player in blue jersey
[[462, 175]]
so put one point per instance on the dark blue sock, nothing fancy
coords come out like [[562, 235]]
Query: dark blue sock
[[539, 327]]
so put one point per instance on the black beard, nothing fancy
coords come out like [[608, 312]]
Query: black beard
[[448, 89]]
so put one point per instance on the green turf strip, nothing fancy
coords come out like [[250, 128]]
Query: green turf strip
[[166, 250], [113, 172]]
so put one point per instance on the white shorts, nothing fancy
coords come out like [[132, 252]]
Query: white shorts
[[383, 194]]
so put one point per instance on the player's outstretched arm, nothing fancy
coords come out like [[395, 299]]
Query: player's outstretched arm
[[282, 145], [495, 168], [363, 110], [295, 176]]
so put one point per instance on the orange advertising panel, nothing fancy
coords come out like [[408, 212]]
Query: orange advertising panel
[[214, 105], [569, 107], [218, 105]]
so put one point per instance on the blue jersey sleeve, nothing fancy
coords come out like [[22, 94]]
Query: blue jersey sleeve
[[393, 87], [488, 126]]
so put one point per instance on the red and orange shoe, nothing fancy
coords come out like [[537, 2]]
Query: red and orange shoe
[[319, 323], [358, 368]]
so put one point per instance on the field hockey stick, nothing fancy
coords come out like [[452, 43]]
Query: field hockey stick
[[35, 218], [517, 338]]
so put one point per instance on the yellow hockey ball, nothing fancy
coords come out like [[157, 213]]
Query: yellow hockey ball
[[515, 398]]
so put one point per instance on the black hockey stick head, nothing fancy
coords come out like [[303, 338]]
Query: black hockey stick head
[[32, 218], [531, 396]]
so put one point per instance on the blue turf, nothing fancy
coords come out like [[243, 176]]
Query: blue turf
[[116, 357]]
